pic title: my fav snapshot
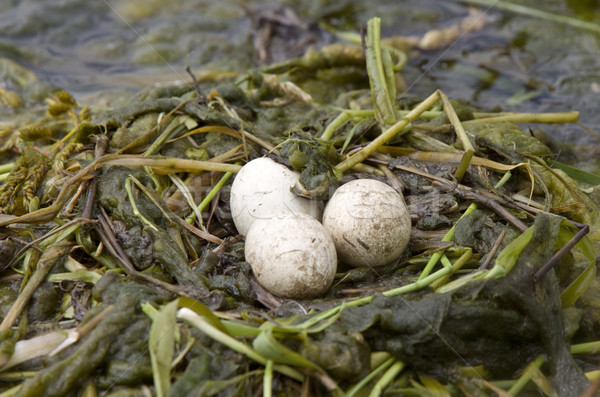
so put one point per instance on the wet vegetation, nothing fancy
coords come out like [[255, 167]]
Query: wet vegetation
[[123, 274]]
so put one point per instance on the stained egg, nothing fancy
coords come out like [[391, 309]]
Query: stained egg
[[292, 256], [369, 223]]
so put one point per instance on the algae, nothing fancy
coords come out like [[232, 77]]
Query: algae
[[155, 230], [70, 369]]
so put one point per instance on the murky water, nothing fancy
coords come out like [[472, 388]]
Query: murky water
[[514, 62]]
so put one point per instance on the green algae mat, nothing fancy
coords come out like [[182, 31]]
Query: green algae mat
[[123, 273]]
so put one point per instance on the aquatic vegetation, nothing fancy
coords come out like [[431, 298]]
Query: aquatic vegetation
[[124, 217]]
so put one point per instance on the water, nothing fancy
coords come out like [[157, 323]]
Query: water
[[514, 63]]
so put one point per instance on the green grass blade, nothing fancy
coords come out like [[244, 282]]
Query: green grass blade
[[509, 255], [267, 345], [578, 287], [364, 381], [161, 342], [203, 311], [431, 387], [239, 328], [386, 379], [447, 237], [203, 325], [578, 174]]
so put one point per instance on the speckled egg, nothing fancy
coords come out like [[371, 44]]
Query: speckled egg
[[292, 256], [369, 223]]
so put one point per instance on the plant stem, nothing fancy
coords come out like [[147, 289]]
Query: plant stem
[[5, 168], [197, 321], [185, 192], [526, 376], [386, 379], [128, 184], [462, 135], [174, 128], [532, 12], [268, 379], [420, 283], [558, 118], [381, 75], [162, 164], [456, 266], [448, 237], [364, 381], [586, 348], [48, 258], [388, 134], [339, 121], [213, 192]]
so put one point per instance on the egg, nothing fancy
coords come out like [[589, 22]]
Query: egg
[[292, 256], [369, 223], [263, 187]]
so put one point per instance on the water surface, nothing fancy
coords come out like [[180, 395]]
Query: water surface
[[513, 63]]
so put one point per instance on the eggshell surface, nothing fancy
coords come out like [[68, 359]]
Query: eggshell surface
[[291, 256], [369, 223], [262, 188]]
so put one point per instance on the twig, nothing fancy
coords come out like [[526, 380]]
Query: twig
[[100, 149], [198, 232], [114, 247], [33, 243], [470, 194], [590, 131], [151, 194], [201, 98], [493, 250], [110, 241], [490, 202], [74, 199], [78, 333], [561, 252]]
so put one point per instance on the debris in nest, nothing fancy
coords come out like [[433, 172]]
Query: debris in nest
[[123, 222]]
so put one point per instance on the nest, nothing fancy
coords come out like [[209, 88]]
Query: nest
[[123, 271]]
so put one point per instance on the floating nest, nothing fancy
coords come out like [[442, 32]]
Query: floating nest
[[123, 274]]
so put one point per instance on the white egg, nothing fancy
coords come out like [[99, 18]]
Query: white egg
[[292, 256], [263, 187], [369, 223]]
